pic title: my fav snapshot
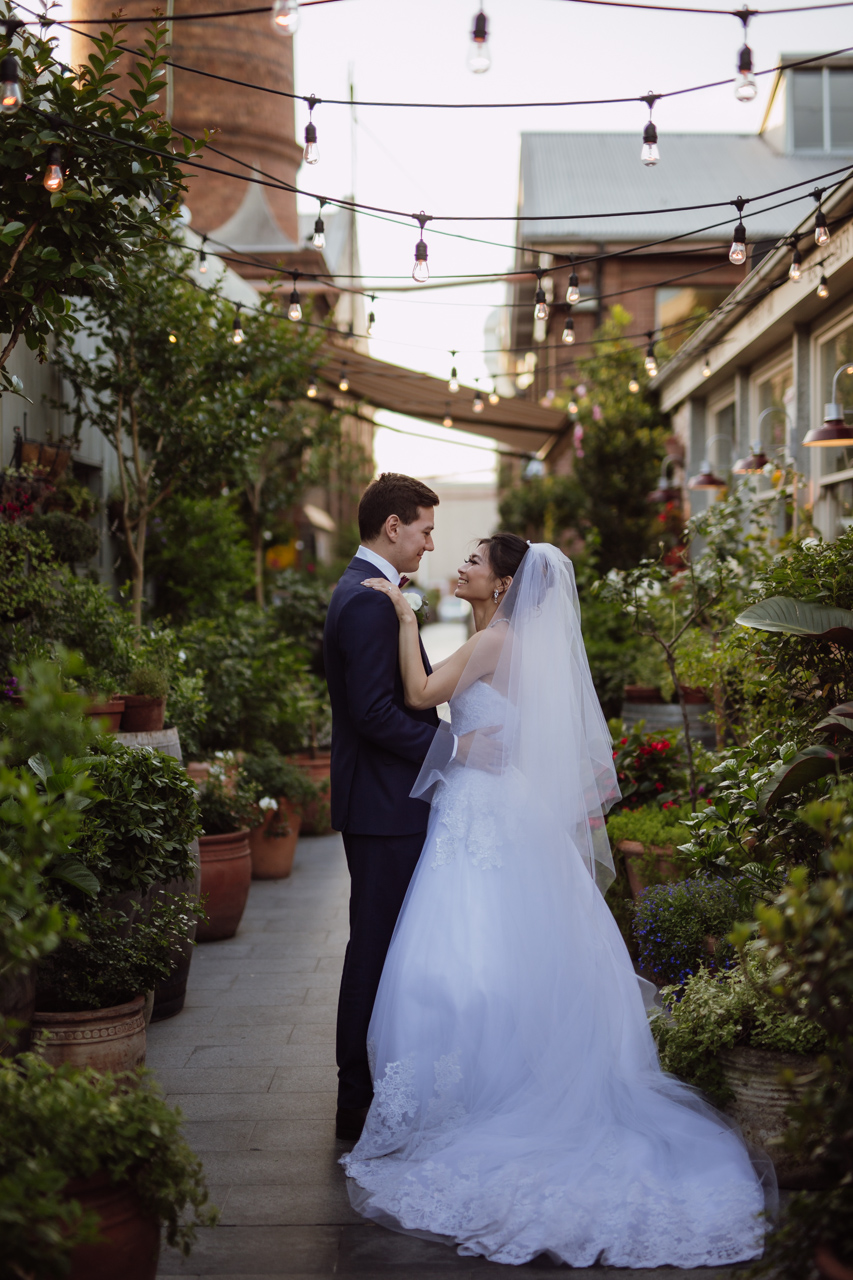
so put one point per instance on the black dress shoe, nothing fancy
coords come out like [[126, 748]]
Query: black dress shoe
[[349, 1123]]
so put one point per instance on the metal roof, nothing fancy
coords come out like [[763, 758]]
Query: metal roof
[[521, 424], [594, 173]]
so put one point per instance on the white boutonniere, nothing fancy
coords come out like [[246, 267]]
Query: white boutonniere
[[418, 603]]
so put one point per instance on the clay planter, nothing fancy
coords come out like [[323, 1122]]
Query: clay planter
[[760, 1102], [106, 1039], [18, 1002], [130, 1247], [226, 872], [50, 459], [272, 856], [142, 715], [315, 816], [634, 853], [642, 693], [111, 711], [169, 996]]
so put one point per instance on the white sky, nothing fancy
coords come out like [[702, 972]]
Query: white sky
[[466, 162]]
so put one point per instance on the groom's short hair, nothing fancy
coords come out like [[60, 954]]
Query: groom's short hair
[[391, 495]]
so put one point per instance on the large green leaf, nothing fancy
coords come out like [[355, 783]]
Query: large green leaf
[[814, 762], [799, 618]]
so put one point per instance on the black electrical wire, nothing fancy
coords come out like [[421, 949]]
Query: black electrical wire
[[720, 13]]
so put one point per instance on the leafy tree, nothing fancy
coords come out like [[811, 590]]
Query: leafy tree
[[121, 178], [199, 558], [618, 447]]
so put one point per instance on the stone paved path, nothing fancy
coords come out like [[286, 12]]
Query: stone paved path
[[250, 1062]]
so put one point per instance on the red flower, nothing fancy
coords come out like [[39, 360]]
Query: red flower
[[623, 742], [658, 786]]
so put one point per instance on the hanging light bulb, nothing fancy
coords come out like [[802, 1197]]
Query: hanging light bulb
[[796, 268], [478, 404], [311, 154], [447, 421], [540, 309], [572, 407], [823, 288], [285, 16], [202, 257], [650, 154], [737, 252], [569, 331], [10, 88], [294, 310], [237, 334], [319, 237], [573, 293], [420, 274], [494, 398], [343, 381], [173, 337], [311, 389], [371, 319], [821, 230], [650, 363], [453, 384], [479, 59], [745, 86], [633, 386], [706, 369], [53, 180]]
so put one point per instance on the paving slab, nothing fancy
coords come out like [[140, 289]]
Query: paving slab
[[251, 1064]]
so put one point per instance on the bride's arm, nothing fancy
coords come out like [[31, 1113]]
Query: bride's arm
[[421, 691]]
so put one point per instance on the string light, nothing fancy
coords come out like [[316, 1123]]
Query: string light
[[202, 257], [650, 153], [53, 180], [447, 421], [821, 230], [173, 337], [494, 398], [371, 319], [237, 334], [319, 237], [745, 86], [479, 59], [573, 293], [540, 309], [294, 310], [311, 389], [737, 252], [420, 274], [706, 368], [572, 407], [453, 384], [823, 288], [10, 88], [633, 386], [478, 404], [285, 16], [311, 154], [650, 363], [569, 330], [796, 268], [343, 381]]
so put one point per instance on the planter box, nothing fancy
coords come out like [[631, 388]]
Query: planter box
[[760, 1105], [111, 712], [634, 853], [226, 873], [106, 1039], [130, 1248], [142, 715], [272, 856]]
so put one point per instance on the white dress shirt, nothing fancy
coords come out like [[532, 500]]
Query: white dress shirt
[[383, 565]]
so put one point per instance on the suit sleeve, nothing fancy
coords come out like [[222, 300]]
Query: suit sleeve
[[368, 637]]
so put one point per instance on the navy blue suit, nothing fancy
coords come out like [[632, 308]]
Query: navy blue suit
[[378, 747]]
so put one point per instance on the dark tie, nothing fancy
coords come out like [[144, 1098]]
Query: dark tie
[[403, 582]]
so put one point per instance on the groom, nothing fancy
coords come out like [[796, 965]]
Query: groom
[[378, 746]]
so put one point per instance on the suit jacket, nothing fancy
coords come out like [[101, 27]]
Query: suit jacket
[[378, 743]]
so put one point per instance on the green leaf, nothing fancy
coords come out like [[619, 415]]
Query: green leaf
[[73, 872], [799, 618], [807, 766]]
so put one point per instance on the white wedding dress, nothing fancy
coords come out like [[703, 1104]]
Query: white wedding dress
[[519, 1105]]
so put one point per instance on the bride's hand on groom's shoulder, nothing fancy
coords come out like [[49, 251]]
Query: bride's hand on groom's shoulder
[[401, 605]]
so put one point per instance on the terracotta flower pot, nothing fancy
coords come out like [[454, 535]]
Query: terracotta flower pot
[[642, 693], [107, 1039], [634, 854], [18, 1003], [316, 815], [142, 715], [760, 1105], [272, 856], [111, 711], [130, 1247], [169, 996], [226, 872]]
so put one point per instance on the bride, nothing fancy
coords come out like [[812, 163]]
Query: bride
[[519, 1107]]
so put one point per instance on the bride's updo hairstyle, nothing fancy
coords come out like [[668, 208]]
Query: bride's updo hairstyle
[[506, 552]]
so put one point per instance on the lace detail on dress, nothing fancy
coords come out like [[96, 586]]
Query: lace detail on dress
[[394, 1098], [467, 821]]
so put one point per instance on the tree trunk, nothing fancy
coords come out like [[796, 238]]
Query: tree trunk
[[138, 589]]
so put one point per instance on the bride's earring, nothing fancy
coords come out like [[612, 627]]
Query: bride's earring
[[497, 595]]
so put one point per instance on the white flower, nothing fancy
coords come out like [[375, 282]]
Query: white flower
[[267, 803]]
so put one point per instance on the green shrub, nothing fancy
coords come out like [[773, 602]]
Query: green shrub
[[147, 682], [73, 541], [27, 574], [301, 604], [60, 1124], [198, 558], [651, 825], [187, 710], [715, 1011], [80, 615], [649, 766], [680, 927], [223, 808]]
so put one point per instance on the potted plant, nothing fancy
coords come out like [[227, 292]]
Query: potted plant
[[226, 864], [91, 1168], [279, 791], [724, 1033], [680, 927], [144, 700], [647, 840]]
